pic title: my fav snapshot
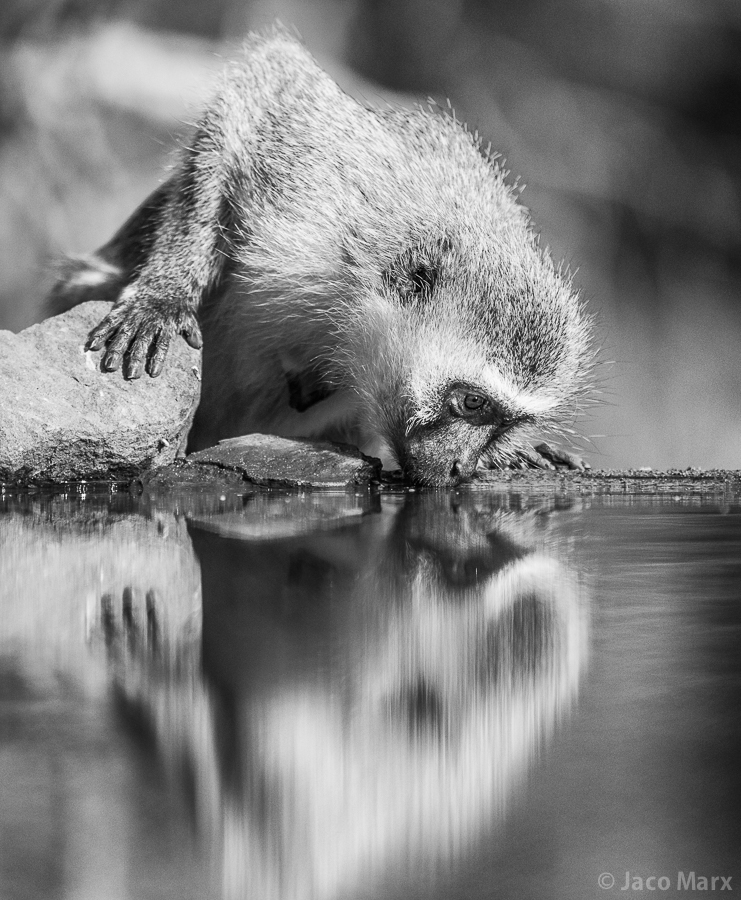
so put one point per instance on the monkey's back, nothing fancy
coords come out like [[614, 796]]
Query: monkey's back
[[326, 195]]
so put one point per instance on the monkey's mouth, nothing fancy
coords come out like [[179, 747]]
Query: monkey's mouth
[[436, 472], [447, 451]]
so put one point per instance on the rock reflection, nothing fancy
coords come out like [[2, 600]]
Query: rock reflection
[[372, 693], [79, 581], [72, 571]]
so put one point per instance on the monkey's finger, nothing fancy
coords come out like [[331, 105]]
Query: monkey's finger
[[98, 337], [573, 461], [158, 352], [191, 331], [562, 457], [118, 346], [534, 459], [137, 354]]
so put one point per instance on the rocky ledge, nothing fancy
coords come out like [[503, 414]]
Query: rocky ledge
[[64, 420], [269, 461]]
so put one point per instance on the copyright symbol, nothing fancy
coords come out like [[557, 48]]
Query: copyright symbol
[[606, 881]]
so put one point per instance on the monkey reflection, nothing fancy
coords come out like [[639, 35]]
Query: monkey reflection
[[371, 695]]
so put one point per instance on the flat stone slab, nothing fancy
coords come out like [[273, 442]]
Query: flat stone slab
[[270, 461], [63, 419]]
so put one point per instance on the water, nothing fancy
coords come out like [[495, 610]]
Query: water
[[451, 696]]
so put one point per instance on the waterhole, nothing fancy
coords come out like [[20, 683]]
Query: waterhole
[[455, 695]]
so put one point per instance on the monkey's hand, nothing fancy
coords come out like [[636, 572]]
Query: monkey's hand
[[138, 331], [543, 456]]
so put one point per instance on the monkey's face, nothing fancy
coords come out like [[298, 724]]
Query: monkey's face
[[439, 404], [462, 348], [444, 451]]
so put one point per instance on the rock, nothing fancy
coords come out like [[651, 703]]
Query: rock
[[278, 462], [63, 419], [181, 477]]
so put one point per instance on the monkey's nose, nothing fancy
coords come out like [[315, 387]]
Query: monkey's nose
[[456, 470]]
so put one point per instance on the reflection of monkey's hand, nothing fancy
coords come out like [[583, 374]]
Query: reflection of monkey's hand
[[130, 623], [139, 630], [154, 656]]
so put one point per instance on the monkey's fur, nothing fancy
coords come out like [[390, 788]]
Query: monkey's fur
[[363, 275]]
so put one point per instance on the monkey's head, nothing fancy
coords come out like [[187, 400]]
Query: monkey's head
[[465, 333], [468, 341]]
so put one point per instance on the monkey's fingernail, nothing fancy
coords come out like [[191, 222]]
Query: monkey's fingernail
[[156, 362], [134, 359], [193, 338]]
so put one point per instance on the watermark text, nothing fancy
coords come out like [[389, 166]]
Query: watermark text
[[679, 881]]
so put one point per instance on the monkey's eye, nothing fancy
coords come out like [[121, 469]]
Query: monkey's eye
[[473, 402], [475, 407]]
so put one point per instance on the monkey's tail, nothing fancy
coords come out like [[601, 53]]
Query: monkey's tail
[[83, 278], [105, 273]]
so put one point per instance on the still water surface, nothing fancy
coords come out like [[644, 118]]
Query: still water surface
[[446, 695]]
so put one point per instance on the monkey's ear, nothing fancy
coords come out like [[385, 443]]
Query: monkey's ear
[[413, 274], [411, 282]]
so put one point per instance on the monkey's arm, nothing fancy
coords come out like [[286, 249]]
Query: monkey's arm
[[183, 260], [201, 211]]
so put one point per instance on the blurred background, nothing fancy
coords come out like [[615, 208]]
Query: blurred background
[[622, 118]]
